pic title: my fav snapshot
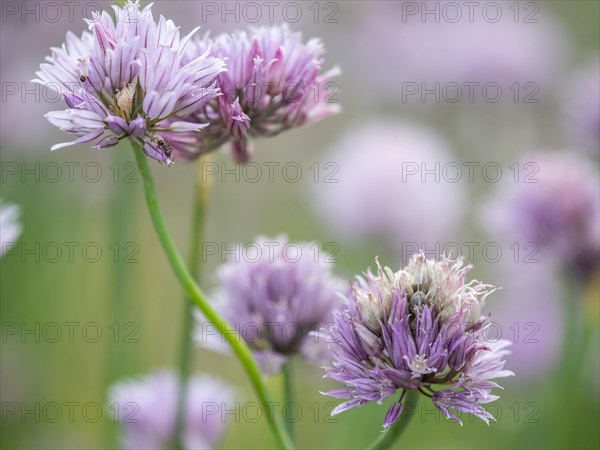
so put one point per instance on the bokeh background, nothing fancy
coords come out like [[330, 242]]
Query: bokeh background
[[544, 50]]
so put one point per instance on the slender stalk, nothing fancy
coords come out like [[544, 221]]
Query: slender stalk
[[239, 347], [200, 201], [387, 438], [569, 374], [121, 225], [288, 392]]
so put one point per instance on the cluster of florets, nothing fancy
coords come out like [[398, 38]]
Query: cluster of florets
[[421, 329]]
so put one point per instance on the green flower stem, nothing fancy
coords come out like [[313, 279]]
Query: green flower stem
[[288, 392], [239, 347], [570, 363], [196, 238], [121, 226], [388, 437], [569, 379]]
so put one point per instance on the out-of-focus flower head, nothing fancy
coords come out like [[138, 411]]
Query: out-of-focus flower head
[[531, 287], [277, 296], [581, 101], [126, 79], [274, 82], [424, 43], [147, 409], [555, 206], [390, 185], [10, 227], [421, 329]]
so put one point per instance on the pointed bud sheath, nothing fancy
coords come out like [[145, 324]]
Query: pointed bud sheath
[[393, 414], [238, 122]]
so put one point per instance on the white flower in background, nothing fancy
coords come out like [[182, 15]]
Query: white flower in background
[[10, 227]]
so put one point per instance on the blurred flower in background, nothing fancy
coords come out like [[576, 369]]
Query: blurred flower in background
[[581, 105], [273, 83], [127, 77], [505, 51], [421, 329], [276, 295], [533, 289], [147, 407], [556, 206], [10, 227], [383, 189]]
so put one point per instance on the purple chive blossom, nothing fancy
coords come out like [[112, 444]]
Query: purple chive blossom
[[273, 83], [147, 409], [126, 78], [556, 208], [420, 328], [380, 187], [10, 228], [277, 296]]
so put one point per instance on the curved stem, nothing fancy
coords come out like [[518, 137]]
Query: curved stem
[[288, 392], [387, 438], [196, 238], [239, 347]]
